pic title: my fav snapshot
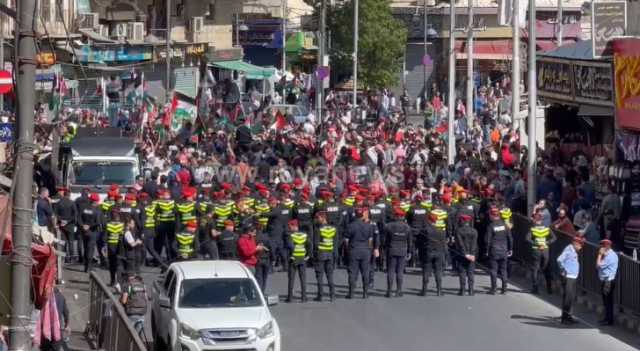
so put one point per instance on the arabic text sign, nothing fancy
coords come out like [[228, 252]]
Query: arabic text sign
[[609, 20], [626, 62]]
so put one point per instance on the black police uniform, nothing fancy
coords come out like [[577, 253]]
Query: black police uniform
[[399, 243], [299, 246], [228, 245], [360, 240], [466, 244], [89, 216], [326, 253], [265, 257], [432, 253], [417, 219], [114, 232], [499, 243], [377, 217], [276, 227], [165, 227], [304, 214]]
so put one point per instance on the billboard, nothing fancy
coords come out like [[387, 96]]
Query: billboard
[[626, 62], [608, 20]]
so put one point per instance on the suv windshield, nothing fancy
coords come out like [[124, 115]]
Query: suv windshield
[[211, 293], [102, 173]]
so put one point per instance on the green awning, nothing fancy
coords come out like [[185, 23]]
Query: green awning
[[251, 71]]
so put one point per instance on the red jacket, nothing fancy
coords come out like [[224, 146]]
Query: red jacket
[[247, 250]]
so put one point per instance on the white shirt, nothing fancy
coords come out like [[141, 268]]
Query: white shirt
[[128, 237]]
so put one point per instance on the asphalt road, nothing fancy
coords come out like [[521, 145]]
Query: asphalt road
[[517, 321]]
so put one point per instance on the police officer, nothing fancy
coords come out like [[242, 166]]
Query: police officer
[[222, 209], [499, 243], [165, 223], [377, 217], [132, 245], [326, 254], [433, 251], [304, 213], [148, 213], [277, 226], [114, 232], [186, 209], [540, 238], [417, 219], [467, 247], [359, 239], [134, 299], [227, 242], [89, 224], [187, 245], [265, 257], [398, 245], [66, 212], [299, 246]]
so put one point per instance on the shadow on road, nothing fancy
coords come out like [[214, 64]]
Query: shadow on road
[[548, 321]]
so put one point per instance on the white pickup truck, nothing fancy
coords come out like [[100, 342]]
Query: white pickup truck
[[212, 305]]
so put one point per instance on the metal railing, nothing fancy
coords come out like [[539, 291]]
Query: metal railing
[[109, 328], [627, 295]]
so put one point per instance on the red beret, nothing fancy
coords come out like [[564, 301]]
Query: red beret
[[218, 195], [326, 194], [264, 193], [143, 196], [405, 193], [192, 225], [353, 188], [188, 192], [228, 222], [114, 187], [297, 182], [446, 198], [130, 197], [114, 195], [465, 218], [304, 195], [94, 197], [306, 190], [285, 188], [260, 186], [226, 186], [398, 212], [359, 198], [293, 223]]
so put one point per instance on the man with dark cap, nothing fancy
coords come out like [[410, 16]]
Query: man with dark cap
[[467, 246], [326, 253], [265, 256], [90, 225], [186, 209], [500, 245], [540, 238], [227, 241], [398, 245], [66, 212], [165, 224], [377, 217], [433, 250], [359, 239], [299, 246], [276, 227], [569, 264], [114, 232]]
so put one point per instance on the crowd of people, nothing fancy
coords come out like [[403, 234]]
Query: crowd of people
[[366, 191]]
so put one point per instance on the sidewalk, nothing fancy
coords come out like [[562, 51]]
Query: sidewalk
[[76, 291]]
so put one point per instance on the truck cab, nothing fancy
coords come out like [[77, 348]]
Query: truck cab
[[212, 305]]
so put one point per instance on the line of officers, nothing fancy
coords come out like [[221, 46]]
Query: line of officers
[[360, 231]]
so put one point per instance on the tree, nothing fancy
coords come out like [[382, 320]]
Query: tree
[[381, 44]]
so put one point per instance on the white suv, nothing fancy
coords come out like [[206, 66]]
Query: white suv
[[212, 305]]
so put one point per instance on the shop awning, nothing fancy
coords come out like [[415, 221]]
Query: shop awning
[[498, 49], [251, 71], [586, 110], [546, 45]]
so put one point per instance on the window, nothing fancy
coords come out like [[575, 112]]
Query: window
[[45, 10], [167, 280], [219, 293], [172, 292], [102, 173]]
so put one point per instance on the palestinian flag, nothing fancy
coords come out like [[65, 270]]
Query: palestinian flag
[[58, 91], [183, 109]]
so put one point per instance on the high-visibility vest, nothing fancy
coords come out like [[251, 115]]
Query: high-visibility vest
[[349, 201], [405, 206], [540, 234], [263, 210], [166, 211], [185, 243], [107, 205], [327, 234], [187, 211], [505, 213], [289, 203], [441, 218], [427, 205], [222, 212], [150, 216], [299, 244], [115, 231]]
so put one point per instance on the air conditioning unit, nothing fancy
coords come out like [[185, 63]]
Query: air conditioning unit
[[88, 20], [119, 31], [103, 30], [135, 31]]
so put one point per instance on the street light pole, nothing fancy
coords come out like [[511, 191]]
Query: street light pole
[[451, 144], [560, 15], [21, 260], [515, 70], [425, 43], [321, 52], [532, 164], [470, 85], [355, 55], [168, 58], [284, 38], [237, 20]]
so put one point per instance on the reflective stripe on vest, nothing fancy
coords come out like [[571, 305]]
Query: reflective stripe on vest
[[115, 230], [166, 213], [299, 248], [427, 205], [222, 212], [349, 201], [107, 206], [505, 213], [262, 209], [150, 216], [187, 211], [289, 203], [405, 206], [440, 214], [327, 233], [185, 243]]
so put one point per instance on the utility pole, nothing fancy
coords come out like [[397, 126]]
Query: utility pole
[[515, 70], [470, 84], [2, 53], [284, 49], [236, 17], [21, 261], [532, 164], [560, 15], [451, 144], [425, 34], [168, 58], [355, 56], [321, 52]]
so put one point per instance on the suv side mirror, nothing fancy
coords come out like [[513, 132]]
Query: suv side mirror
[[164, 302], [273, 300]]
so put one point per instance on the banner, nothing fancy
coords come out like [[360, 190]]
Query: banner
[[626, 63], [183, 111], [608, 20]]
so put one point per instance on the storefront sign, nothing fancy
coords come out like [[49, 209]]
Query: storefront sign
[[121, 54], [554, 78], [593, 83], [196, 49], [214, 55], [626, 63], [608, 20]]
